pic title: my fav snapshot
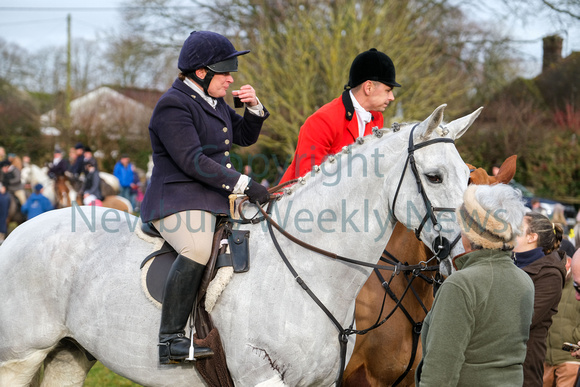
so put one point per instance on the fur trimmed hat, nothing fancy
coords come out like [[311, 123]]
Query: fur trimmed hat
[[483, 226]]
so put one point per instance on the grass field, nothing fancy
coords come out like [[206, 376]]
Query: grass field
[[100, 376]]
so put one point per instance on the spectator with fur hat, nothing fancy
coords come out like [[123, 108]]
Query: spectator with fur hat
[[537, 254], [476, 331], [367, 94], [37, 203]]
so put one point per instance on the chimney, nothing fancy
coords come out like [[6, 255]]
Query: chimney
[[552, 51]]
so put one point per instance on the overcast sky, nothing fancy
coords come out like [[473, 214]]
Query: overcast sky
[[35, 24]]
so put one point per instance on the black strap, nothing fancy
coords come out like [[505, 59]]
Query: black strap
[[342, 336], [416, 326], [421, 266], [416, 334]]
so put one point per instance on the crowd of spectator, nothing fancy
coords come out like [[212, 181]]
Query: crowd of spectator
[[79, 171]]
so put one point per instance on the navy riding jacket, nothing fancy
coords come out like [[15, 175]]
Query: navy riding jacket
[[191, 144]]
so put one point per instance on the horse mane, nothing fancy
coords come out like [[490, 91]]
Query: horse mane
[[359, 143]]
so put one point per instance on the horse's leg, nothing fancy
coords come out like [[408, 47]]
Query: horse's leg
[[20, 373], [67, 365]]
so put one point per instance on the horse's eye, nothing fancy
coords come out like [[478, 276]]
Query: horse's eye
[[435, 179]]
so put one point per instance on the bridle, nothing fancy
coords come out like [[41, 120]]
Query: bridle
[[442, 245]]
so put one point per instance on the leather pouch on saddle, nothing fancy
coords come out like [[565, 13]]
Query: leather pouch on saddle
[[238, 254]]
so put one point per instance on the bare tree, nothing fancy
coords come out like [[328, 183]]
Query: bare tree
[[12, 60], [302, 50], [132, 61]]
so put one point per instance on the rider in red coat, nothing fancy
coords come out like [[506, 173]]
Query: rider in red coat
[[328, 130]]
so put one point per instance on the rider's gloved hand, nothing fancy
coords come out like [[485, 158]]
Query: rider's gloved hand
[[257, 192]]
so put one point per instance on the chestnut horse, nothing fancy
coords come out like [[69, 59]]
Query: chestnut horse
[[389, 354]]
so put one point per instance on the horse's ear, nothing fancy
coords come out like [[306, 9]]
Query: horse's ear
[[426, 128], [480, 177], [507, 170], [460, 125]]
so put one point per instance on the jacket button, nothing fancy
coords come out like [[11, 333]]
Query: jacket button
[[227, 187], [227, 142], [223, 186], [193, 96], [226, 153], [228, 165], [225, 129]]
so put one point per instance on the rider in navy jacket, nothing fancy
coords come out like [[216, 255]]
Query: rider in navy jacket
[[192, 131], [191, 144]]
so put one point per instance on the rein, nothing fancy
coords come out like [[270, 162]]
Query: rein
[[396, 268], [440, 245]]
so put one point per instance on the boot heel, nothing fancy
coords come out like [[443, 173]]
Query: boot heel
[[164, 354]]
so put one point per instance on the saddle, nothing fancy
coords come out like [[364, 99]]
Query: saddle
[[234, 253]]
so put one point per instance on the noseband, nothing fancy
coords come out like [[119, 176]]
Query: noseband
[[441, 246]]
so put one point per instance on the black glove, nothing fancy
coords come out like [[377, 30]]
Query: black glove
[[257, 192]]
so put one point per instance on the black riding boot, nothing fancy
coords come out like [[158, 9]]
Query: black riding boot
[[179, 295]]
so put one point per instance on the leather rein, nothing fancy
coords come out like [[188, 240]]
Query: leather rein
[[441, 246]]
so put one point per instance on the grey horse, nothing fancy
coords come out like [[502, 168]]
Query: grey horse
[[71, 282]]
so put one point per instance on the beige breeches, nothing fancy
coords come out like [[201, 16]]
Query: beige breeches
[[21, 196], [190, 233]]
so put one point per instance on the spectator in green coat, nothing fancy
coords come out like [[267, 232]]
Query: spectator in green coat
[[476, 332]]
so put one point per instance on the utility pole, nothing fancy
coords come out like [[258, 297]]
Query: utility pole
[[68, 91]]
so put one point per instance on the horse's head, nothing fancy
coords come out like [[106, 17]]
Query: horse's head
[[432, 182]]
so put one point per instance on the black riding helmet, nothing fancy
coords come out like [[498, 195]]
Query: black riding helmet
[[209, 50], [372, 65]]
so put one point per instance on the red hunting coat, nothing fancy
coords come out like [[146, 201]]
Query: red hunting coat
[[326, 132]]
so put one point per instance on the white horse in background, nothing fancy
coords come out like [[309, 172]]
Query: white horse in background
[[74, 283], [32, 174]]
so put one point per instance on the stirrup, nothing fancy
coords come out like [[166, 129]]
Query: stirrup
[[191, 356]]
